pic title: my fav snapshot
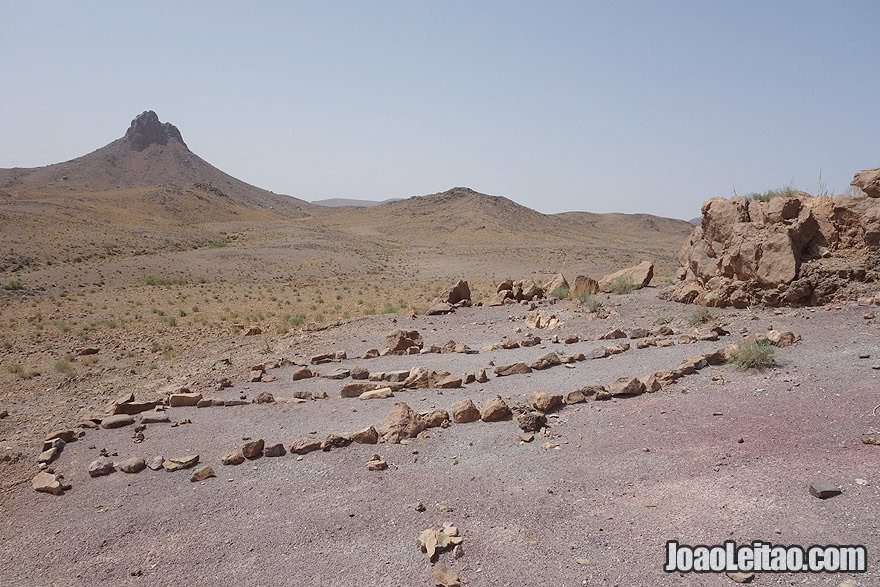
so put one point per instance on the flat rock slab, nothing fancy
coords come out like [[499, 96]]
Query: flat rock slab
[[178, 463], [824, 489], [117, 421]]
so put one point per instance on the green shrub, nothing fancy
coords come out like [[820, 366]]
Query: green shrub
[[590, 301], [218, 244], [622, 285], [753, 354], [560, 292], [389, 309]]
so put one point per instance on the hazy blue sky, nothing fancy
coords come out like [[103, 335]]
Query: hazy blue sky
[[599, 106]]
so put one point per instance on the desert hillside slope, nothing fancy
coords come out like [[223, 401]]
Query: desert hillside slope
[[151, 153]]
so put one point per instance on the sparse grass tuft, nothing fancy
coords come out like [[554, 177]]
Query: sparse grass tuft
[[753, 354], [389, 309], [780, 192], [700, 316], [65, 367], [590, 301], [163, 281], [13, 285], [622, 285], [560, 292], [218, 245]]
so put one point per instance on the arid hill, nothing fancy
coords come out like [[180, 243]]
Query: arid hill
[[149, 155], [465, 228], [141, 193]]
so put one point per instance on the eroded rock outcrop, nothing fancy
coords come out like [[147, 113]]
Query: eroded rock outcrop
[[791, 250]]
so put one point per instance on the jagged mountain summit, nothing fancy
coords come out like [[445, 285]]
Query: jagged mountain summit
[[146, 130]]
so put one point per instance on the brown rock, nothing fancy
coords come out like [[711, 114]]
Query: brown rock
[[264, 397], [550, 359], [302, 373], [132, 465], [531, 421], [274, 450], [253, 449], [640, 274], [868, 180], [305, 446], [359, 373], [117, 421], [457, 294], [356, 388], [558, 281], [494, 409], [584, 285], [402, 422], [465, 411], [575, 397], [176, 400], [613, 334], [334, 441], [376, 464], [234, 457], [365, 436], [544, 401], [443, 576], [371, 354], [514, 369], [47, 483], [381, 393], [399, 341], [435, 418], [623, 386], [781, 339], [65, 435], [202, 474]]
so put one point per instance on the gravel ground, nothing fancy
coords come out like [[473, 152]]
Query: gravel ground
[[628, 475]]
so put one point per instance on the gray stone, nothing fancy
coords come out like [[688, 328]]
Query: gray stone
[[131, 465], [275, 450], [100, 466], [824, 489]]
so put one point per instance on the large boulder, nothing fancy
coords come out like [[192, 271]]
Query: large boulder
[[399, 341], [868, 180], [584, 285], [402, 422], [640, 275], [556, 283], [457, 294], [793, 249]]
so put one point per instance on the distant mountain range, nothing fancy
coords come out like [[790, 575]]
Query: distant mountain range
[[354, 203], [148, 182]]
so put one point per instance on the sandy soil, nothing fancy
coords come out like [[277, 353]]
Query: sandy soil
[[628, 475]]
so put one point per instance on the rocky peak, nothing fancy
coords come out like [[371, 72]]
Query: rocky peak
[[146, 130]]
